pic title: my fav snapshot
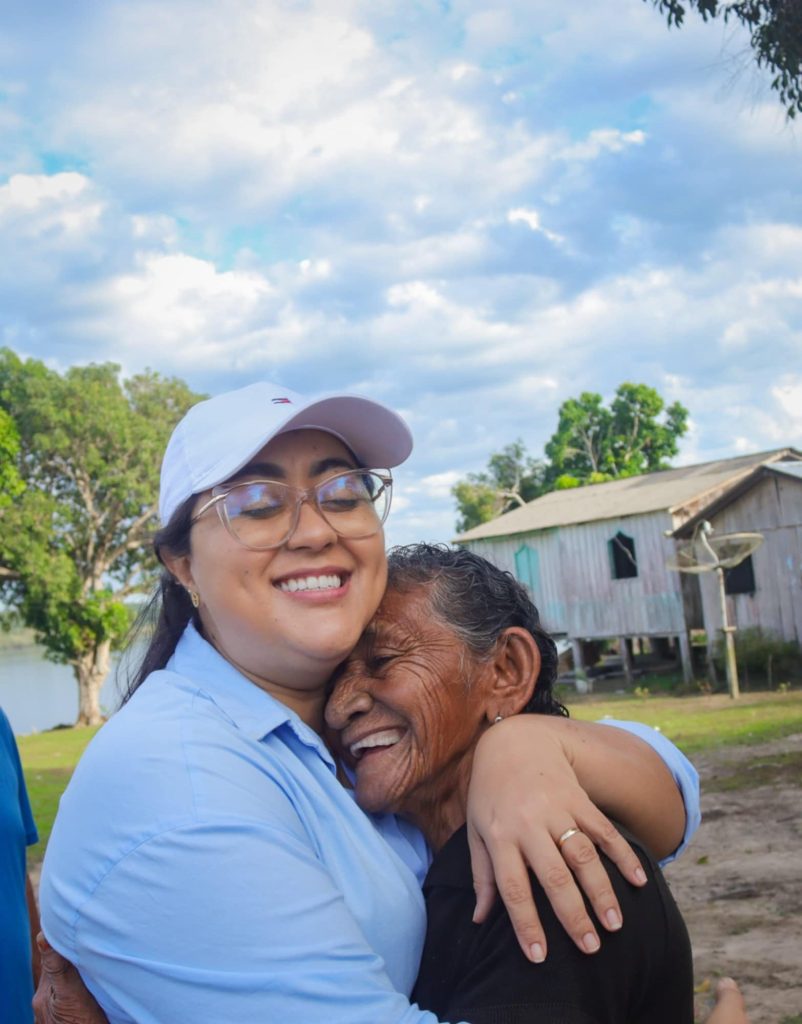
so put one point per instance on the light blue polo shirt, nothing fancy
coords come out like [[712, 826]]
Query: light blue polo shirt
[[207, 867], [685, 776]]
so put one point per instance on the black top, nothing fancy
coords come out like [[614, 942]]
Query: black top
[[642, 974]]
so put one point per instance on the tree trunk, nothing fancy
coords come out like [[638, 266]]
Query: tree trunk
[[90, 671]]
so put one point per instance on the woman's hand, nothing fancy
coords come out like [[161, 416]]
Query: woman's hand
[[62, 997], [525, 797]]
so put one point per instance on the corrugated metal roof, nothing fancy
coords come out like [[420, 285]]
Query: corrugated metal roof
[[668, 490], [788, 468], [736, 490]]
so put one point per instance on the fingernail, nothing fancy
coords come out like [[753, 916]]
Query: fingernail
[[536, 953], [590, 942], [613, 919], [726, 983], [640, 876]]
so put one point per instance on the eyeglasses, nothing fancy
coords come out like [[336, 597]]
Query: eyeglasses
[[263, 514]]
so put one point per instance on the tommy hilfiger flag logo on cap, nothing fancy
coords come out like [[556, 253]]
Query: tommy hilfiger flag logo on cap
[[281, 401]]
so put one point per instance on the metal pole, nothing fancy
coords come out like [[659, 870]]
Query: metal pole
[[729, 640]]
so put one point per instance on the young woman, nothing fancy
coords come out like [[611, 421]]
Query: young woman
[[206, 863]]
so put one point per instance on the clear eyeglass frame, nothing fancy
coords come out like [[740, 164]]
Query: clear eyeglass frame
[[343, 527]]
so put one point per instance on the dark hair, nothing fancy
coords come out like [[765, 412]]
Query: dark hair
[[166, 615], [477, 601], [169, 608]]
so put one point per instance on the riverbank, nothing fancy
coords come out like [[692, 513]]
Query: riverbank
[[17, 639], [38, 695]]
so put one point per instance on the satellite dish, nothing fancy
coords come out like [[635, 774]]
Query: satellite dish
[[706, 552]]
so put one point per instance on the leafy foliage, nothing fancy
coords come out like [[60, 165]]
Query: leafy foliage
[[511, 479], [75, 535], [11, 485], [593, 443], [775, 29], [762, 654]]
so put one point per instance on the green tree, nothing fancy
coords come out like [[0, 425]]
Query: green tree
[[775, 29], [594, 442], [74, 538], [512, 478], [578, 448], [11, 485], [639, 442]]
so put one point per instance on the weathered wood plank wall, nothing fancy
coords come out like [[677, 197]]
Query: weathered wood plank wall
[[774, 508], [575, 590]]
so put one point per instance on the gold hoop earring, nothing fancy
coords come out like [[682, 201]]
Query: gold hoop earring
[[194, 598]]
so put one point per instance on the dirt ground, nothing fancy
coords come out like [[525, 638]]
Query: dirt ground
[[739, 884]]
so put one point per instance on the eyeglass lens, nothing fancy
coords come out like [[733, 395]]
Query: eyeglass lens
[[261, 514]]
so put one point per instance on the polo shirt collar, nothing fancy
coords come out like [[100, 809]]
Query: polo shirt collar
[[251, 709]]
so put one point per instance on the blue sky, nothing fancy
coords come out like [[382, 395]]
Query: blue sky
[[470, 212]]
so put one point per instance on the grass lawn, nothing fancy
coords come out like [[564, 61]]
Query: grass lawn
[[693, 723], [703, 723], [48, 760]]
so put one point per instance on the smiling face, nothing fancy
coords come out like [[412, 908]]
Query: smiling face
[[287, 616], [410, 704]]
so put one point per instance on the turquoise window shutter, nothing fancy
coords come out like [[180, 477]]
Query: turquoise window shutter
[[527, 569]]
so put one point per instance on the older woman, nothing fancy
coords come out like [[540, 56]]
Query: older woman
[[206, 864], [455, 647]]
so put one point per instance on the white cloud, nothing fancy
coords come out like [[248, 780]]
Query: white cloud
[[788, 395], [602, 140], [438, 485], [29, 192], [460, 71], [239, 107], [523, 215], [315, 269], [178, 299], [49, 207], [470, 212]]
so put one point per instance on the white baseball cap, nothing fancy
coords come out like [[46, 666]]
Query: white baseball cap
[[222, 434]]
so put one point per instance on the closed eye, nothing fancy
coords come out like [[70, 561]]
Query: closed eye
[[341, 504], [375, 662], [261, 511]]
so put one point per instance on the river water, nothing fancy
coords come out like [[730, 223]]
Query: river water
[[37, 695]]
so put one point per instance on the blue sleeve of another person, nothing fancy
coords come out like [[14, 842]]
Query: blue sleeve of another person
[[685, 775], [10, 744], [17, 830]]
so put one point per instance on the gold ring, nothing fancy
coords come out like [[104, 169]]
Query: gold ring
[[567, 835]]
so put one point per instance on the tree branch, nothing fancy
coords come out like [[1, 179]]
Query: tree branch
[[133, 538]]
